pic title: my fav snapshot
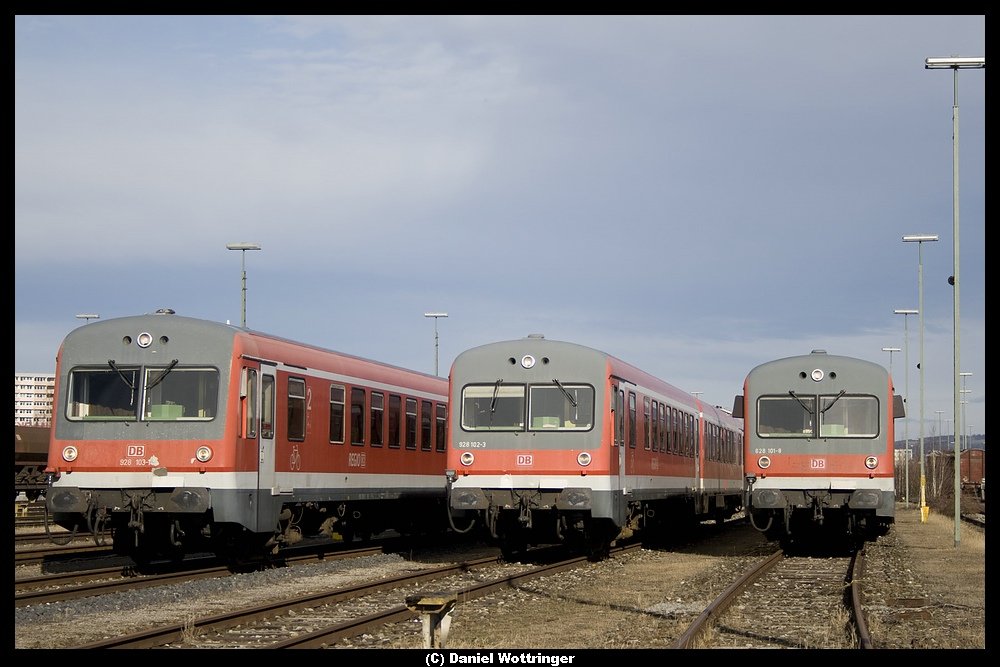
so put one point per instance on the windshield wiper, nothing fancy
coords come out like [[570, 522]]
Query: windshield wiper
[[163, 374], [835, 399], [805, 406], [563, 389], [121, 374], [496, 391]]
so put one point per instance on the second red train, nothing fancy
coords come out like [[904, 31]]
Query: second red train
[[553, 442]]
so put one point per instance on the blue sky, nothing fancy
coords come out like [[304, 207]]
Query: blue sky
[[693, 194]]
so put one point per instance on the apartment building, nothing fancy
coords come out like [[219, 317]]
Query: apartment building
[[33, 396]]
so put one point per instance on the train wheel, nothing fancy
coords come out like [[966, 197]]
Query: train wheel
[[598, 550], [597, 542], [512, 550], [141, 555]]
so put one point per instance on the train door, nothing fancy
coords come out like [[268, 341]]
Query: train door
[[699, 437], [699, 464], [267, 512], [620, 442], [618, 436]]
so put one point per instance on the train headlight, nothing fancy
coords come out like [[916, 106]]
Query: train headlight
[[467, 458], [70, 453], [203, 454], [583, 458], [871, 462], [764, 462]]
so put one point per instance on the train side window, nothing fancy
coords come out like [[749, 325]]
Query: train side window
[[395, 420], [620, 418], [337, 414], [670, 426], [647, 423], [296, 409], [267, 406], [678, 418], [631, 419], [377, 417], [250, 404], [411, 423], [683, 427], [425, 426], [442, 422], [690, 435], [357, 416], [661, 439]]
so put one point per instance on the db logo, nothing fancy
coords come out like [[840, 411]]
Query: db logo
[[817, 464], [136, 450], [524, 459]]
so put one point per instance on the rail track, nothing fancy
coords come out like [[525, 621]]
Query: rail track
[[38, 556], [326, 618], [787, 602], [74, 585], [387, 624]]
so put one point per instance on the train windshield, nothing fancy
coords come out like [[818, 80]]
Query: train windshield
[[166, 393], [561, 407], [493, 407], [516, 407], [838, 416]]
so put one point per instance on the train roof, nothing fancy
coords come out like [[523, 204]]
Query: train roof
[[224, 330], [532, 342], [816, 357]]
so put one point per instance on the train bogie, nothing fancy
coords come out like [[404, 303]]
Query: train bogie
[[180, 435]]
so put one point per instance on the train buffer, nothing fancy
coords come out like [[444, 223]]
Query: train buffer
[[435, 610]]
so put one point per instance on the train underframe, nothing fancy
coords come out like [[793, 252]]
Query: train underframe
[[519, 519], [30, 480], [798, 517], [148, 525]]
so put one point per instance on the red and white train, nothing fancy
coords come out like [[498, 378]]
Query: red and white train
[[553, 442], [819, 448], [183, 435]]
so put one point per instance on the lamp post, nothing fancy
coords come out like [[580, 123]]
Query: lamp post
[[955, 64], [94, 316], [890, 350], [435, 316], [920, 239], [243, 247], [965, 423], [906, 312], [940, 432]]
